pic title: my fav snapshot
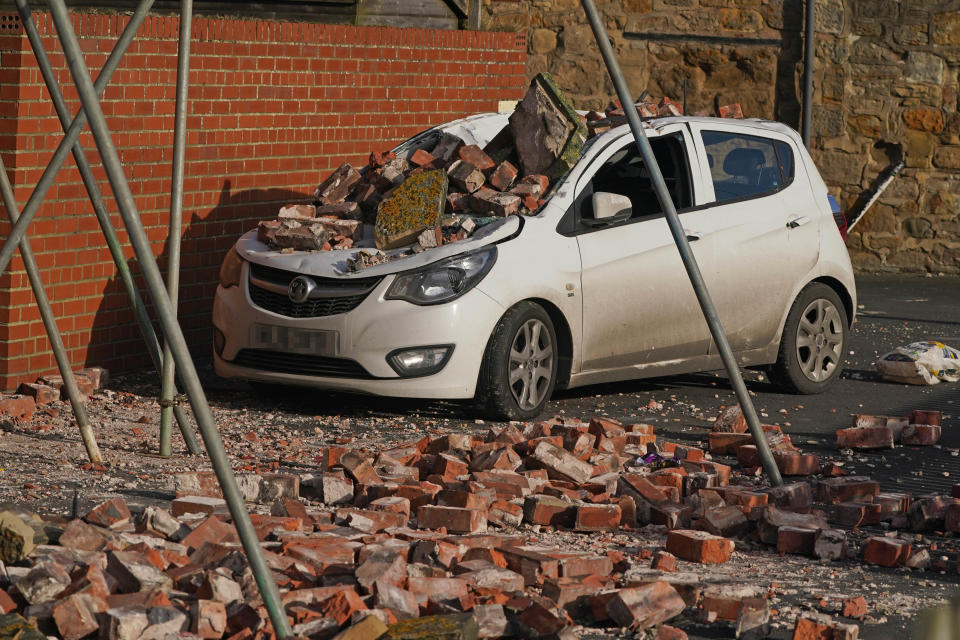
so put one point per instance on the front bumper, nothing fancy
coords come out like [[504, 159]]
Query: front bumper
[[367, 334]]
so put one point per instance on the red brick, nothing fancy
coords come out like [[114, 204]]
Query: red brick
[[421, 158], [18, 407], [920, 434], [6, 603], [342, 605], [797, 464], [664, 561], [597, 517], [454, 519], [817, 626], [474, 155], [865, 438], [730, 420], [699, 546], [886, 552], [928, 417], [666, 632], [722, 443], [41, 393], [847, 489], [730, 111], [795, 540], [110, 514], [209, 618], [503, 176], [645, 606], [76, 615]]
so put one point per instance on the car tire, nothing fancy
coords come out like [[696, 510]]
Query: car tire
[[519, 369], [812, 347]]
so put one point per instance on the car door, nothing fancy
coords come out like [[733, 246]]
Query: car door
[[757, 235], [638, 304]]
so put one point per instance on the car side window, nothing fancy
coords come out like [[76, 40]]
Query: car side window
[[744, 166], [626, 174]]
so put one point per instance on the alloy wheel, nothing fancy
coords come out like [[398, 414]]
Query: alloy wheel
[[531, 363], [819, 340]]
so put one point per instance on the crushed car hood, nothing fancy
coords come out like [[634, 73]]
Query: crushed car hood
[[333, 264]]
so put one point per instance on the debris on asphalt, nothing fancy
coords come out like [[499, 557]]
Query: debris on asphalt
[[533, 530], [922, 363]]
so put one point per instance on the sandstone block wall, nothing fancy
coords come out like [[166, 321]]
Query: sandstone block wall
[[885, 81]]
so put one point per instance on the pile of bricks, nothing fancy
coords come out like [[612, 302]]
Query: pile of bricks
[[49, 388], [613, 116], [920, 428], [441, 191], [433, 539]]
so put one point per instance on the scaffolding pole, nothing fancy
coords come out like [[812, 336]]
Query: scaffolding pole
[[168, 320], [168, 370], [50, 324], [96, 198], [683, 245]]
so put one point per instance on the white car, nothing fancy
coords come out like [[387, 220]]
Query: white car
[[590, 289]]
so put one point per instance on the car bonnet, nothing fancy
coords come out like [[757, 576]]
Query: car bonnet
[[333, 264]]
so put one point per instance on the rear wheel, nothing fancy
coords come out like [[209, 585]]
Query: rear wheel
[[519, 369], [811, 349]]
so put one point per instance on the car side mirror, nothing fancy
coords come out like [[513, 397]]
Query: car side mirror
[[608, 209]]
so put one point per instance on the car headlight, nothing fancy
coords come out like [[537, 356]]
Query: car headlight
[[231, 268], [443, 281]]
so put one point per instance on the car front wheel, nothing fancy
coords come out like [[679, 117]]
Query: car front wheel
[[519, 369], [811, 350]]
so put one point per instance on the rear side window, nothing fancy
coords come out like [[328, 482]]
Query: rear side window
[[743, 166]]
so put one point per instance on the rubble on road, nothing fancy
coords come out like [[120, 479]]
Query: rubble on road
[[442, 535]]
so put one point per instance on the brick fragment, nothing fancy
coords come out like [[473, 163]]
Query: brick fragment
[[726, 521], [18, 407], [854, 607], [454, 519], [209, 618], [645, 606], [495, 203], [664, 561], [730, 111], [504, 513], [475, 155], [772, 518], [213, 529], [338, 185], [547, 510], [465, 177], [847, 489], [830, 544], [561, 464], [400, 602], [925, 416], [80, 536], [134, 572], [795, 540], [503, 176], [886, 552], [920, 435], [76, 615], [359, 468], [730, 420], [929, 513], [865, 438], [699, 546], [597, 517], [797, 464], [43, 583], [818, 626], [42, 394], [199, 504]]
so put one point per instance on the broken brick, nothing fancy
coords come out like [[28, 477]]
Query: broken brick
[[865, 438], [886, 552], [699, 546], [920, 434], [454, 519], [645, 606]]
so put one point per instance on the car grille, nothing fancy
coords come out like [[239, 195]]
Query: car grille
[[334, 295], [300, 364]]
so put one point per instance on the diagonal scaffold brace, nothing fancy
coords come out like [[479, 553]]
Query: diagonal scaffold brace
[[93, 190], [683, 246], [172, 332]]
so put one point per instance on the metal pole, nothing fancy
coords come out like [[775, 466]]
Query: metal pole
[[168, 319], [96, 198], [686, 254], [50, 324], [168, 372], [18, 231], [808, 44]]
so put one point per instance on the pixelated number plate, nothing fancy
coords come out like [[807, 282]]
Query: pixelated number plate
[[292, 340]]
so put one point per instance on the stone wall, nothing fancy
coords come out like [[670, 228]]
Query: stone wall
[[885, 81]]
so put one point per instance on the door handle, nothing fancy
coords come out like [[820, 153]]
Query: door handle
[[793, 223], [692, 236]]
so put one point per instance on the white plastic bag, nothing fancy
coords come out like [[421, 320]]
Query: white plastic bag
[[926, 362]]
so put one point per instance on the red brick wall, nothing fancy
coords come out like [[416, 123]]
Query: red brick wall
[[273, 107]]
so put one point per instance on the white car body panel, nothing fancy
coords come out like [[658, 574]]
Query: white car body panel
[[621, 294]]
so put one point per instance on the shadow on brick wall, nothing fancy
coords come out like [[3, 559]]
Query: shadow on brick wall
[[116, 340]]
